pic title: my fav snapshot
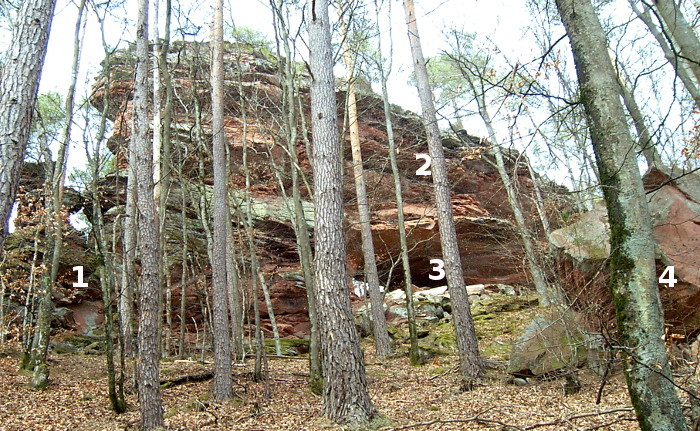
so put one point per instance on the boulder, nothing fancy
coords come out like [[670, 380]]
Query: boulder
[[674, 204], [550, 344]]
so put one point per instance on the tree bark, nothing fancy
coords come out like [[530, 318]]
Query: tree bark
[[680, 66], [55, 243], [19, 84], [688, 45], [382, 341], [223, 389], [345, 395], [149, 294], [632, 262], [471, 366], [303, 241]]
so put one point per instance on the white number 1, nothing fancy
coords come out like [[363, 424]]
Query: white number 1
[[668, 277], [80, 282]]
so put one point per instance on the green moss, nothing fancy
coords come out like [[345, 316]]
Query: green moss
[[290, 346]]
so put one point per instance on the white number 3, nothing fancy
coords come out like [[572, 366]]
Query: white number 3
[[439, 265]]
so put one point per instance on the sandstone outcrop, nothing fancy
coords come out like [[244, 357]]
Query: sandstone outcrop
[[674, 203], [491, 252]]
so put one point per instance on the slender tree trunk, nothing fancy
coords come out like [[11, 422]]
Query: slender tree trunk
[[688, 45], [107, 277], [471, 365], [632, 261], [548, 294], [222, 336], [234, 293], [40, 349], [149, 294], [126, 297], [644, 142], [19, 83], [345, 395], [290, 97], [183, 277], [413, 352], [680, 66], [381, 336]]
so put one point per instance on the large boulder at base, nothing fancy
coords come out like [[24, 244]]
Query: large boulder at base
[[674, 204], [549, 344]]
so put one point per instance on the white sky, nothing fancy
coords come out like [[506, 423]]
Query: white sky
[[496, 19]]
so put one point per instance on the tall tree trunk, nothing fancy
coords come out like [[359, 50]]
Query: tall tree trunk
[[381, 336], [290, 97], [222, 336], [40, 374], [234, 293], [644, 142], [471, 365], [632, 265], [19, 84], [548, 294], [413, 352], [108, 276], [679, 65], [345, 395], [687, 43], [150, 401]]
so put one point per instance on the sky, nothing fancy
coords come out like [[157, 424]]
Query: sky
[[496, 19]]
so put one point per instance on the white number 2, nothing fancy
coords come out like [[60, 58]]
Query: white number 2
[[439, 265], [80, 282], [423, 170], [668, 277]]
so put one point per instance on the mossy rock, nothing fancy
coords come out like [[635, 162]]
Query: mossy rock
[[550, 343], [290, 346]]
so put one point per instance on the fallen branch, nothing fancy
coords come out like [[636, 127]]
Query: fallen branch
[[578, 416], [510, 427], [192, 378]]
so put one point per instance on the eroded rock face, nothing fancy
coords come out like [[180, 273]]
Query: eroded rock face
[[491, 252], [675, 209]]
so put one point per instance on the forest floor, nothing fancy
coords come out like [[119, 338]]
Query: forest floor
[[419, 398]]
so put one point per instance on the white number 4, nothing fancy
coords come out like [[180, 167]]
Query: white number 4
[[668, 277], [439, 265], [423, 170], [80, 282]]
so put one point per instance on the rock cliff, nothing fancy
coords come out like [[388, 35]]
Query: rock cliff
[[491, 252]]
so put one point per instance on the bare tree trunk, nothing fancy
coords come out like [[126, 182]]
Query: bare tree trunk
[[644, 142], [149, 294], [183, 277], [688, 45], [234, 293], [548, 294], [290, 97], [413, 352], [381, 336], [632, 262], [40, 374], [471, 365], [222, 336], [19, 83], [680, 66], [126, 298], [345, 395]]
